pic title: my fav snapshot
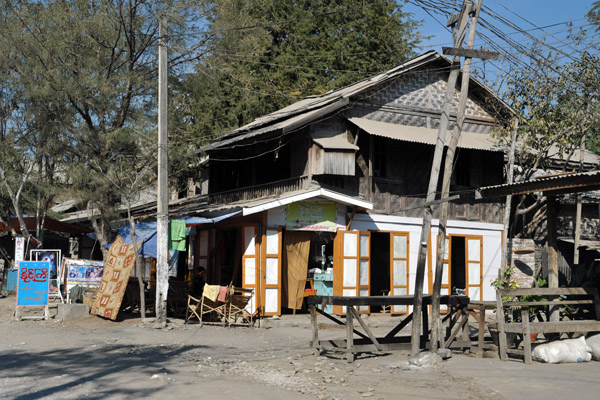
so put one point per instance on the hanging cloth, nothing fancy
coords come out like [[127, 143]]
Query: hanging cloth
[[177, 235], [297, 248]]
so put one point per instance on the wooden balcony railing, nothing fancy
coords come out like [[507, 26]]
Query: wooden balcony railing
[[260, 191]]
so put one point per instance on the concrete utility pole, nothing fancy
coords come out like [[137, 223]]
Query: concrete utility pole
[[162, 201], [459, 24]]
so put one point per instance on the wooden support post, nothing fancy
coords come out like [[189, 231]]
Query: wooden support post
[[448, 168], [552, 251], [526, 335], [578, 209], [433, 181], [349, 335], [500, 322], [315, 330]]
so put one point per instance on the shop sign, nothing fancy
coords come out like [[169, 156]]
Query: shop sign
[[33, 283], [306, 216]]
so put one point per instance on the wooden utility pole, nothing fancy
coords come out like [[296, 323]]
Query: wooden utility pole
[[504, 257], [448, 167], [577, 240], [162, 201], [433, 179]]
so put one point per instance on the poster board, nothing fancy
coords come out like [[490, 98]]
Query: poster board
[[53, 256], [85, 273], [19, 249], [33, 284]]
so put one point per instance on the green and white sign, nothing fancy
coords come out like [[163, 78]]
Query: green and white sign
[[305, 216]]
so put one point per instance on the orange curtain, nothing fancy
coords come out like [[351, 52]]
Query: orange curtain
[[297, 248]]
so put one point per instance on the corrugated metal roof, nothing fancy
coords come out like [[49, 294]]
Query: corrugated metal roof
[[553, 184], [335, 143], [468, 140], [307, 110]]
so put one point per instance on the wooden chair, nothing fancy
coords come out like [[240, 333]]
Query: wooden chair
[[193, 306], [308, 291], [206, 310], [238, 302]]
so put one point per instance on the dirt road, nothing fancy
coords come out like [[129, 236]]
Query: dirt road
[[99, 359]]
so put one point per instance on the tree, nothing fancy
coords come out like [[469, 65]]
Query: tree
[[267, 54], [97, 62], [557, 105]]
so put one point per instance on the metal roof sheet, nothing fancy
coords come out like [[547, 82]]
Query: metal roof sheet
[[553, 184], [306, 110], [468, 140], [335, 143]]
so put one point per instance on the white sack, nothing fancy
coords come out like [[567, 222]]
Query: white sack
[[568, 350], [594, 343]]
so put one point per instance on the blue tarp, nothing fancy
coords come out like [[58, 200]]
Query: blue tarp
[[145, 232]]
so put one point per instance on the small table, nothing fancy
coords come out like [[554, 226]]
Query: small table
[[368, 342]]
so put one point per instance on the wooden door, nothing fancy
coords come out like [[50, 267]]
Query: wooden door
[[474, 266], [355, 266], [399, 268], [446, 284], [271, 276], [251, 264]]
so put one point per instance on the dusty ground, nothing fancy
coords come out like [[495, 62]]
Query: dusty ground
[[99, 359]]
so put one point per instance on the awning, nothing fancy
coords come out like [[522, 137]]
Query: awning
[[335, 143], [193, 221], [145, 232], [416, 134]]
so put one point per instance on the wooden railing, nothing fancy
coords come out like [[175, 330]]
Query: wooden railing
[[260, 191]]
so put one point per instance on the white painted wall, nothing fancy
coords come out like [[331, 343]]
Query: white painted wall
[[491, 233]]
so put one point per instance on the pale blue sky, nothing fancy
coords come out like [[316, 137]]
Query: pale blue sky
[[539, 12]]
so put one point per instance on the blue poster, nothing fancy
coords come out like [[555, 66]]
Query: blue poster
[[33, 283]]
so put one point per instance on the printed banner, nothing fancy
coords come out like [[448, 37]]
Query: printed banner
[[86, 273], [305, 216], [117, 268], [33, 283], [19, 249]]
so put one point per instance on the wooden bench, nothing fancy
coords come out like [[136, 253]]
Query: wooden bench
[[507, 298]]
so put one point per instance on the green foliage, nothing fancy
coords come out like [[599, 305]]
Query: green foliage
[[556, 107], [88, 70], [268, 54], [504, 280]]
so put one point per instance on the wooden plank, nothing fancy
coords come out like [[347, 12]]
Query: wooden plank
[[456, 329], [470, 53], [383, 300], [400, 326], [542, 303], [590, 291], [452, 20], [581, 326], [365, 328], [337, 321]]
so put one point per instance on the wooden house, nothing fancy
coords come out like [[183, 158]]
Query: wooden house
[[337, 182]]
